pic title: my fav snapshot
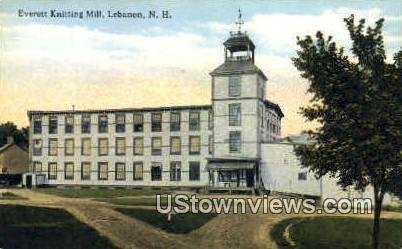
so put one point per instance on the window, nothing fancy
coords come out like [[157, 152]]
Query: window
[[37, 125], [234, 141], [102, 124], [175, 171], [234, 86], [210, 144], [120, 146], [138, 122], [302, 176], [85, 171], [52, 171], [175, 145], [53, 125], [103, 146], [175, 121], [69, 147], [86, 147], [210, 120], [156, 171], [194, 171], [52, 147], [120, 173], [102, 171], [69, 124], [85, 123], [138, 171], [234, 114], [156, 146], [156, 120], [37, 167], [37, 147], [120, 123], [194, 143], [194, 121], [138, 146], [69, 171]]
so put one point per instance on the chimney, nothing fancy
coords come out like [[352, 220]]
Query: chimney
[[10, 140]]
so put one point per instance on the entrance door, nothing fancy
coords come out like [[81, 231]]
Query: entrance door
[[250, 178], [28, 181]]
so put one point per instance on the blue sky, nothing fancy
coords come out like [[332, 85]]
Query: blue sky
[[105, 63]]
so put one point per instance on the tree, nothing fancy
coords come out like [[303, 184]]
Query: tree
[[10, 129], [357, 102]]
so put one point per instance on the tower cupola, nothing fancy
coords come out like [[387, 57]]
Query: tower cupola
[[239, 47]]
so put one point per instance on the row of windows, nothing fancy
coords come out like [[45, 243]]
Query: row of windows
[[120, 123], [120, 172], [194, 146]]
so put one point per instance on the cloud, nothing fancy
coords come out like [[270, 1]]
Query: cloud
[[47, 66]]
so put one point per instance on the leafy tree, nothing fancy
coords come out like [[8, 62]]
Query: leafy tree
[[10, 129], [357, 102]]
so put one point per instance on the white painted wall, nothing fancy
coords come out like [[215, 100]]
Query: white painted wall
[[129, 158]]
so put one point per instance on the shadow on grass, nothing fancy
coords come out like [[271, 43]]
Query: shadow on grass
[[334, 232], [179, 223], [26, 227]]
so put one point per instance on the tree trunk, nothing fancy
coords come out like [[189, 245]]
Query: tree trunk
[[378, 198]]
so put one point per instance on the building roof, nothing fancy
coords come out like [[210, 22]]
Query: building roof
[[146, 109], [5, 147], [276, 107], [239, 41], [237, 67]]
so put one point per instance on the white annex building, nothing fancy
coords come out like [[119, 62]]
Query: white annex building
[[232, 144]]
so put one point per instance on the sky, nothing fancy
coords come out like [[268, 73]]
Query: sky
[[96, 63]]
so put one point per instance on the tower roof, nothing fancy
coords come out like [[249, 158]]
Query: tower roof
[[237, 67], [239, 41]]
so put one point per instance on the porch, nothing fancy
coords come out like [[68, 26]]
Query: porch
[[233, 175]]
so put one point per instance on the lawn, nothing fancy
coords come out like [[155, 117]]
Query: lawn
[[336, 233], [103, 192], [37, 227], [179, 223], [149, 201], [10, 196]]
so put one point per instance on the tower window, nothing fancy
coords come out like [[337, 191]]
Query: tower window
[[234, 141], [234, 86], [234, 114]]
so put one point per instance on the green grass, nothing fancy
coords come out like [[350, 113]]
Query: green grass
[[393, 208], [179, 223], [337, 233], [102, 193], [46, 228], [11, 196], [133, 201]]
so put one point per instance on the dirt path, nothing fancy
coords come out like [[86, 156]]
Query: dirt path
[[224, 231]]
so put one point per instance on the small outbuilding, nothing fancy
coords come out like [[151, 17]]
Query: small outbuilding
[[13, 159]]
